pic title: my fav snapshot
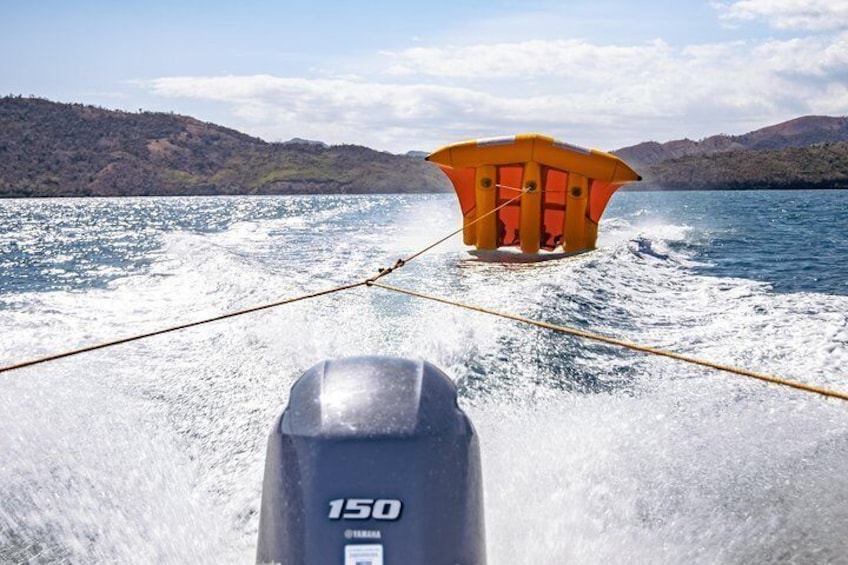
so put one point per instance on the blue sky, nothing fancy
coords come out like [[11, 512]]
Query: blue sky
[[398, 76]]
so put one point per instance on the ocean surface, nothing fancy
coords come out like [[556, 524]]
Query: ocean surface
[[153, 451]]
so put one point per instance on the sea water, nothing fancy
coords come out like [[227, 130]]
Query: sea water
[[153, 451]]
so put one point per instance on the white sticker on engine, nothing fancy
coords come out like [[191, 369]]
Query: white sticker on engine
[[363, 555]]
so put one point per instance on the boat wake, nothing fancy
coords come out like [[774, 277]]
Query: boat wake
[[154, 451]]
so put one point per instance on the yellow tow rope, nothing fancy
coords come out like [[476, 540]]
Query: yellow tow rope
[[137, 337], [620, 343], [373, 281], [103, 345]]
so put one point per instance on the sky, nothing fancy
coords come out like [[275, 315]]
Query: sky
[[400, 76]]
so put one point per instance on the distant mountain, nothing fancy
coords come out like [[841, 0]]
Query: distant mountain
[[818, 166], [810, 151], [301, 141], [52, 149], [800, 132]]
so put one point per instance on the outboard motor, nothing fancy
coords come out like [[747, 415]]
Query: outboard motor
[[372, 463]]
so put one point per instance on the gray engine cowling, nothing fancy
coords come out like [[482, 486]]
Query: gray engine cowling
[[372, 463]]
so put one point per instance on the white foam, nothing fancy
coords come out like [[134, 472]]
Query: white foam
[[156, 448]]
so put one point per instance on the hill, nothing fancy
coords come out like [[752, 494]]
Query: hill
[[53, 149], [807, 152], [819, 166]]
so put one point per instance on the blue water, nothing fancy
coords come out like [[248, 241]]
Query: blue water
[[793, 240], [153, 452]]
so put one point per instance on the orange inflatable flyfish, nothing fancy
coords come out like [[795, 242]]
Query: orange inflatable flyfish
[[563, 190]]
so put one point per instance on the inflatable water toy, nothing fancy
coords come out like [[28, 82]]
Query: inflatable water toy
[[563, 191]]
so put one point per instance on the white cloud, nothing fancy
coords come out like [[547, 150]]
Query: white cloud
[[333, 110], [788, 14], [831, 100], [561, 58], [812, 57], [601, 95]]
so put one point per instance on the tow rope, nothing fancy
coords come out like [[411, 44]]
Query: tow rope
[[620, 343], [400, 263]]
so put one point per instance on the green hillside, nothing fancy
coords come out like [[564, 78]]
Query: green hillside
[[819, 166], [52, 149], [806, 152]]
